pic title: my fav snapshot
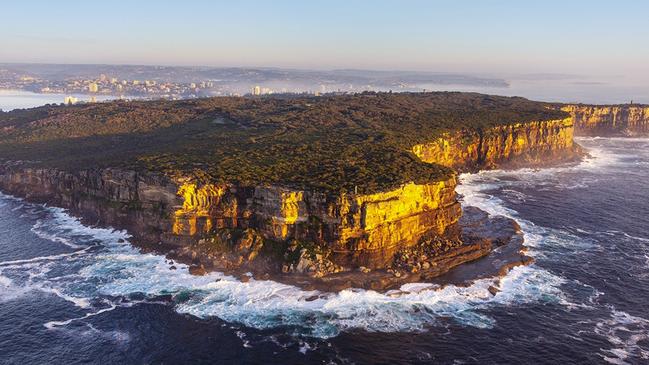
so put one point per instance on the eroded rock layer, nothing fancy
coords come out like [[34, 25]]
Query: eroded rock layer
[[613, 120], [520, 144], [359, 229]]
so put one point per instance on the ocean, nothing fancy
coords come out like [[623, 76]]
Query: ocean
[[72, 294], [20, 99]]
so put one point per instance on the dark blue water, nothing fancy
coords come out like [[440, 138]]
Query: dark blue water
[[71, 294]]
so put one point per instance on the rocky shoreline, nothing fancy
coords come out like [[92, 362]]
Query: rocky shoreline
[[496, 240], [479, 246]]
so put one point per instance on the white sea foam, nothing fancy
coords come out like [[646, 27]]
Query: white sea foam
[[88, 330], [119, 270], [637, 238], [38, 259], [517, 196], [625, 333], [54, 324], [17, 207], [266, 304], [244, 340], [77, 301], [7, 197], [306, 347], [52, 237], [475, 188], [10, 291], [15, 289]]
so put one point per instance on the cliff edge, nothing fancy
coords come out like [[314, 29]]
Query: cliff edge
[[609, 120]]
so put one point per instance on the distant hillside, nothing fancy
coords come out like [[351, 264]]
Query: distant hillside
[[277, 77]]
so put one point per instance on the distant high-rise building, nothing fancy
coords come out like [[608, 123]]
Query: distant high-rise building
[[256, 90], [93, 87], [69, 100]]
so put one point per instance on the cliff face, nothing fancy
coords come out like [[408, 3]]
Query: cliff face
[[521, 144], [358, 229], [112, 197], [625, 120]]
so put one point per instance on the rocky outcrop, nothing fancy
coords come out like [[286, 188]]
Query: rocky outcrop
[[609, 120], [357, 229], [521, 144], [111, 197]]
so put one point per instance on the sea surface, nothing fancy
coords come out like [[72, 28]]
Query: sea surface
[[20, 99], [567, 89]]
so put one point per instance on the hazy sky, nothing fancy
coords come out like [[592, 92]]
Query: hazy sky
[[588, 37]]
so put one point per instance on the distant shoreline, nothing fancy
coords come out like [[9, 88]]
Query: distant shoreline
[[11, 99]]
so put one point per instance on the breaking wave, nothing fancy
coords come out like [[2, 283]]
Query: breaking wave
[[625, 333]]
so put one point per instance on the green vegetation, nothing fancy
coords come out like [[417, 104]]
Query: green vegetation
[[326, 143]]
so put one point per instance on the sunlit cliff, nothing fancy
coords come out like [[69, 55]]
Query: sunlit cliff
[[532, 143], [598, 120], [350, 224]]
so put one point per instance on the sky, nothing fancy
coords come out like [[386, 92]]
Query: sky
[[479, 36]]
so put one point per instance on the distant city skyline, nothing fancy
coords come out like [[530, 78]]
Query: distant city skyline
[[576, 37]]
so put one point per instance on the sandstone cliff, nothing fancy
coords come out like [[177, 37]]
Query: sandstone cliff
[[359, 229], [620, 120], [111, 197], [521, 144]]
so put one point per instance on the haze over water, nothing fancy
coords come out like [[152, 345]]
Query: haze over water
[[19, 99], [564, 89]]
